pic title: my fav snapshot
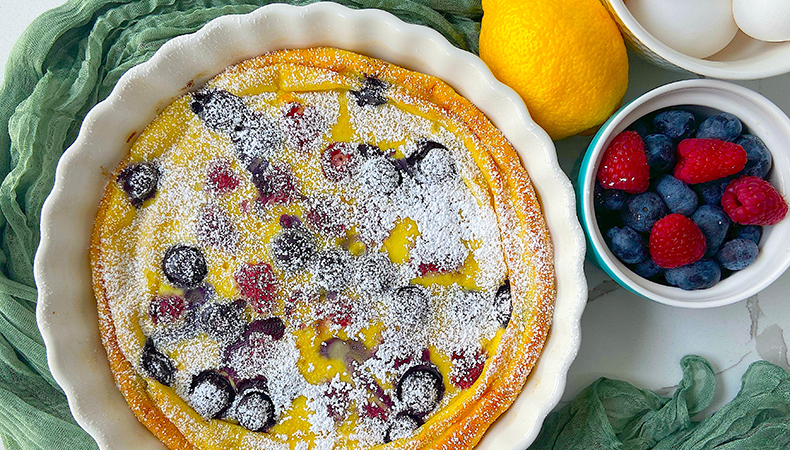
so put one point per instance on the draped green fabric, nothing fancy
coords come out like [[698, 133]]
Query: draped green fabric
[[71, 57]]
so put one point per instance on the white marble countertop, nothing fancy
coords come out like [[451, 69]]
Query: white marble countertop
[[625, 336]]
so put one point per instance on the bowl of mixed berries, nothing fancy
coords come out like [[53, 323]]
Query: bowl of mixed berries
[[683, 194]]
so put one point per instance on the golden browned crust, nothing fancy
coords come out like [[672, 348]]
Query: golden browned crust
[[514, 197]]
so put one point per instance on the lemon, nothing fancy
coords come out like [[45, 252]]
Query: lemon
[[566, 58]]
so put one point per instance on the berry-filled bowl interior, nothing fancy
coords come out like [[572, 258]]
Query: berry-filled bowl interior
[[683, 194], [225, 407]]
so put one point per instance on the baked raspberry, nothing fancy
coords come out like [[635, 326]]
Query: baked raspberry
[[221, 178], [624, 164], [339, 160], [701, 160], [258, 285], [467, 368], [166, 309], [753, 201], [676, 241]]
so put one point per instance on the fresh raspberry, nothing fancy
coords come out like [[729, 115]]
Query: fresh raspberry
[[676, 241], [753, 201], [624, 164], [702, 160]]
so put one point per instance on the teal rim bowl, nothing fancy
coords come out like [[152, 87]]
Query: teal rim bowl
[[760, 117]]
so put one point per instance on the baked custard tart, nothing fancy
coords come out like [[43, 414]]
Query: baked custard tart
[[322, 250]]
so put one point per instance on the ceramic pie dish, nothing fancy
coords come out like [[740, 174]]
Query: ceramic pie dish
[[150, 87]]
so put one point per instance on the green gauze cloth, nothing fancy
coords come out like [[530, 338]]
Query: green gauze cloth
[[68, 60], [615, 415], [71, 57]]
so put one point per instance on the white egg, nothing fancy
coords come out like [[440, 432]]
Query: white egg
[[697, 28], [766, 20]]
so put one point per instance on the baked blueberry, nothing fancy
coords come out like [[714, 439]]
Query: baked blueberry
[[758, 157], [139, 181], [293, 249], [371, 93], [223, 321], [628, 245], [714, 223], [376, 273], [211, 394], [272, 326], [660, 152], [420, 389], [184, 266], [503, 304], [276, 183], [699, 275], [220, 110], [677, 195], [676, 124], [737, 254], [643, 210], [255, 410], [724, 127], [378, 175], [157, 365], [410, 306], [403, 425], [436, 166], [332, 270]]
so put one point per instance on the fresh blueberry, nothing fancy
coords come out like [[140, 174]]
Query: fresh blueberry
[[378, 175], [420, 389], [724, 127], [677, 195], [642, 127], [751, 232], [643, 210], [737, 254], [293, 249], [598, 196], [676, 124], [139, 181], [759, 160], [503, 304], [210, 394], [711, 191], [403, 425], [612, 199], [255, 410], [660, 152], [223, 321], [714, 223], [699, 275], [647, 269], [157, 365], [628, 245], [371, 93], [184, 266]]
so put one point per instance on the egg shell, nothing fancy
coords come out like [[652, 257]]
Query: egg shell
[[766, 20], [697, 28]]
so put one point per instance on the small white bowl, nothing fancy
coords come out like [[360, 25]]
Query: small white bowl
[[66, 309], [761, 118], [744, 58]]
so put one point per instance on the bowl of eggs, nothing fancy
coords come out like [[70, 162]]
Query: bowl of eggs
[[728, 39]]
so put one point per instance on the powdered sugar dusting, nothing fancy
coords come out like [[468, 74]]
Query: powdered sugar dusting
[[384, 245]]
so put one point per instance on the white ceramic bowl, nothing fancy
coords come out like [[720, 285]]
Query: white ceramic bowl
[[708, 97], [744, 58], [66, 308]]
